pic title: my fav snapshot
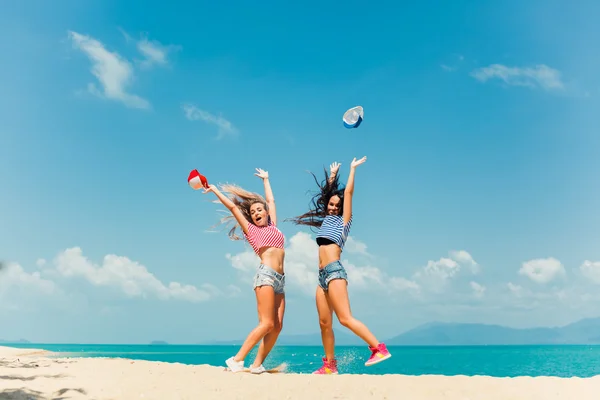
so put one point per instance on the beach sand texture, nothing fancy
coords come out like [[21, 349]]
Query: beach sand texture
[[33, 375]]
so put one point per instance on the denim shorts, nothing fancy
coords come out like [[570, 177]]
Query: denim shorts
[[331, 271], [267, 276]]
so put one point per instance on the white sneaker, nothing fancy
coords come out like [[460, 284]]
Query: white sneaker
[[258, 370], [234, 366]]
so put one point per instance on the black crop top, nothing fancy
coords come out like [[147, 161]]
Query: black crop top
[[322, 241]]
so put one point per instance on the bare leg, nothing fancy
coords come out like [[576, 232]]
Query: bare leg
[[271, 338], [326, 323], [338, 297], [265, 299]]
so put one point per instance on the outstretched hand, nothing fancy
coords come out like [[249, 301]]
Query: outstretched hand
[[356, 163], [209, 188], [261, 173], [334, 167]]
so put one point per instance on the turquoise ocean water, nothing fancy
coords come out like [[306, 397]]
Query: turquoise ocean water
[[500, 361]]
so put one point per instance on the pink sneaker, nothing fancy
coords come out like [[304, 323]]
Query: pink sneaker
[[378, 354], [328, 368]]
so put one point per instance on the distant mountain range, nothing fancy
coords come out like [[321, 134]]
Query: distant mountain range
[[15, 341], [586, 331]]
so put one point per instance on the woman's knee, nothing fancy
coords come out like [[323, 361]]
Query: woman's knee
[[325, 323], [345, 320], [268, 325]]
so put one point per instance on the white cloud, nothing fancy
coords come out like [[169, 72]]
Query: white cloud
[[546, 298], [436, 275], [403, 284], [244, 262], [591, 270], [539, 76], [353, 246], [114, 73], [40, 262], [542, 270], [302, 263], [21, 290], [443, 269], [130, 277], [154, 52], [364, 277], [13, 276], [225, 127], [463, 257], [478, 289]]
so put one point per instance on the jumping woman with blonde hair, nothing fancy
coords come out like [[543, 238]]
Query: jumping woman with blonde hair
[[332, 214], [257, 219]]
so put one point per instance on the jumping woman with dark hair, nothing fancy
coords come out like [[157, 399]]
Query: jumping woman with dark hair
[[257, 219], [332, 213]]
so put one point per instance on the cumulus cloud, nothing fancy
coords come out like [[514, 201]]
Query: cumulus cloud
[[21, 290], [443, 269], [130, 277], [435, 276], [225, 127], [13, 276], [113, 72], [541, 297], [539, 76], [463, 257], [302, 263], [354, 246], [403, 284], [542, 270], [438, 273], [591, 270]]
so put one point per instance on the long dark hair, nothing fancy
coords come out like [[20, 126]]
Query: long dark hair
[[318, 204]]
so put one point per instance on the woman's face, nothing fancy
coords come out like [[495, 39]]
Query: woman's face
[[334, 206], [259, 214]]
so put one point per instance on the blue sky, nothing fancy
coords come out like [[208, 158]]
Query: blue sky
[[478, 202]]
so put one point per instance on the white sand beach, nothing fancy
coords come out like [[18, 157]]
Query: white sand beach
[[33, 375]]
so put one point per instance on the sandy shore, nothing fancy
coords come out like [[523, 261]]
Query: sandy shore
[[33, 375]]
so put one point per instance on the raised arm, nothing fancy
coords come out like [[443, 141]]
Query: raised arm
[[264, 175], [230, 206], [349, 191], [333, 169]]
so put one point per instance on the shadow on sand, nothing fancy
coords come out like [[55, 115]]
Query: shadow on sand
[[28, 378], [28, 394]]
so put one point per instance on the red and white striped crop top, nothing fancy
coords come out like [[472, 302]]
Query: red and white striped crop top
[[264, 236]]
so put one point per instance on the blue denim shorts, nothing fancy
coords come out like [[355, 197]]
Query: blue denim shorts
[[267, 276], [331, 271]]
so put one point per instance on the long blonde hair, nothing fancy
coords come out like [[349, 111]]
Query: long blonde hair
[[243, 200]]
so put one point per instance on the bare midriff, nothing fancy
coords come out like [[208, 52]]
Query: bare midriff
[[273, 257], [329, 253]]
